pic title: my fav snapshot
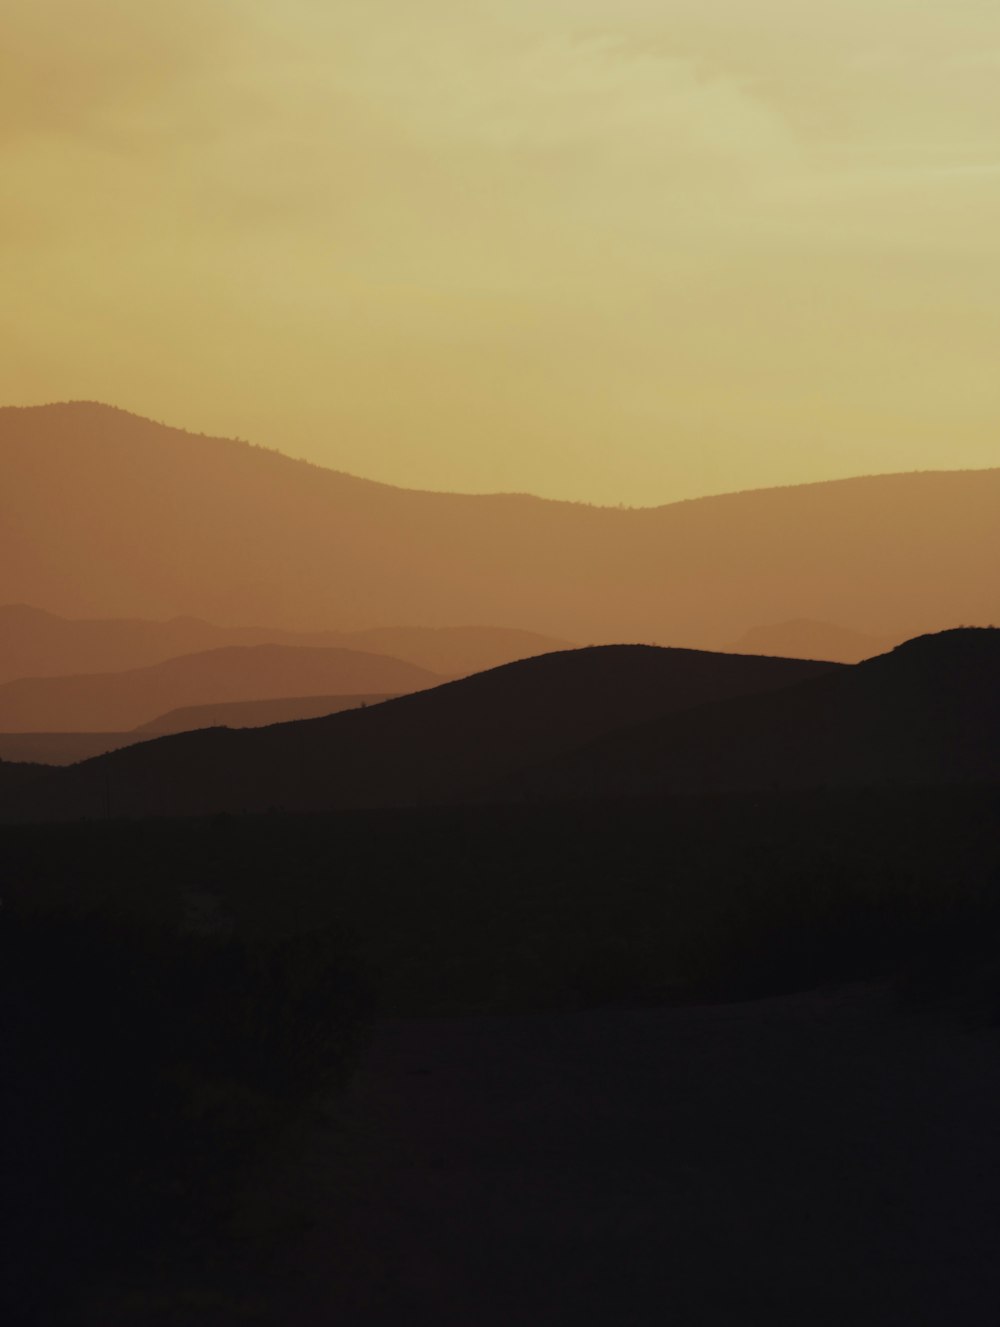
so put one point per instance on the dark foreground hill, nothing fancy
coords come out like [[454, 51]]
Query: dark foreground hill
[[103, 513], [15, 774], [437, 746], [109, 702], [35, 643], [518, 1157], [926, 713]]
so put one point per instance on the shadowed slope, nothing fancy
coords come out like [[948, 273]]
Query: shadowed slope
[[108, 702], [926, 713], [34, 643], [102, 512], [15, 774], [433, 747]]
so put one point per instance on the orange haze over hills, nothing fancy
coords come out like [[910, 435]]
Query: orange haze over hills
[[252, 713], [111, 702], [811, 640], [34, 643], [66, 748], [103, 513]]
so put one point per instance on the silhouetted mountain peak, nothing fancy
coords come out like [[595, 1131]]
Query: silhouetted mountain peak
[[956, 642], [944, 656], [438, 745]]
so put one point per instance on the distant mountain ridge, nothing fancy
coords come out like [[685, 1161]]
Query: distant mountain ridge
[[114, 702], [103, 513], [36, 643]]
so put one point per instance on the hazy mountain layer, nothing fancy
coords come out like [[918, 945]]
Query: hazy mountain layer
[[67, 748], [103, 513], [252, 713], [110, 702], [34, 643]]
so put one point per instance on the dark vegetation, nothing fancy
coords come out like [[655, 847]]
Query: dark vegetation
[[16, 773], [522, 908], [151, 1060], [178, 992]]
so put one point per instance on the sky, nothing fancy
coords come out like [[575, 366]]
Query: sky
[[617, 251]]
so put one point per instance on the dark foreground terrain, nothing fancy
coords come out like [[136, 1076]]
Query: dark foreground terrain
[[819, 1159], [587, 1080], [830, 1158]]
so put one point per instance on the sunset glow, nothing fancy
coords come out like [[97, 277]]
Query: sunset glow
[[618, 252]]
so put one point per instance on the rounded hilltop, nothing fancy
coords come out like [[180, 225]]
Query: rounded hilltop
[[952, 643]]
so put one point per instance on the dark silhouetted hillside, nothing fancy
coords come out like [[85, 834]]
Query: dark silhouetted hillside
[[15, 774], [105, 513], [811, 640], [926, 713], [110, 702], [433, 747], [34, 643], [252, 713]]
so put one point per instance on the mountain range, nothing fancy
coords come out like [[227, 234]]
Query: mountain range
[[105, 514], [601, 723], [36, 643], [436, 746], [111, 702]]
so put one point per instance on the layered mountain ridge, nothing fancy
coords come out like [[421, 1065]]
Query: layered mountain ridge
[[106, 514]]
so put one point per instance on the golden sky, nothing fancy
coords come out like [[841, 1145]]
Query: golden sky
[[614, 250]]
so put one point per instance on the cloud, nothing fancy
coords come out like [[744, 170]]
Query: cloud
[[66, 63]]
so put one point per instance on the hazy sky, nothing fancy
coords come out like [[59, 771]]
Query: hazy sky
[[618, 250]]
